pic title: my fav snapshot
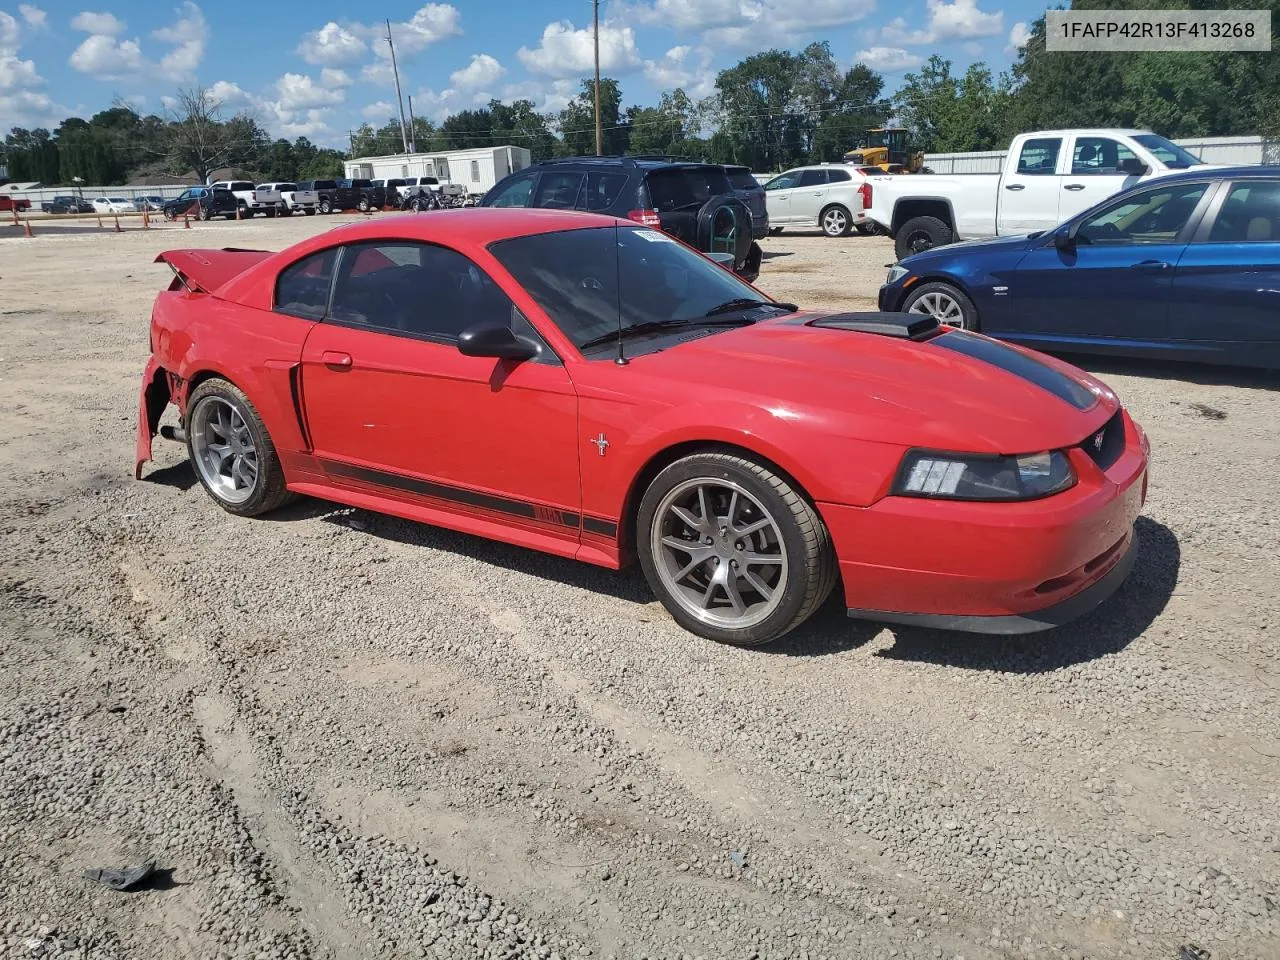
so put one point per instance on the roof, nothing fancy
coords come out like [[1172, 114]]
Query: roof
[[470, 225], [1212, 172], [19, 187], [1090, 132], [432, 154], [641, 162]]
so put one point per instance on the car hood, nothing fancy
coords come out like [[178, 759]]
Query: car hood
[[1014, 244], [958, 390]]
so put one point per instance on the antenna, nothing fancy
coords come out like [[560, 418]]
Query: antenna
[[621, 360], [404, 137]]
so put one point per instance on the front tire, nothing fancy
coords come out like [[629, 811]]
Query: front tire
[[919, 234], [734, 552], [363, 205], [231, 450], [835, 221], [947, 304], [325, 206]]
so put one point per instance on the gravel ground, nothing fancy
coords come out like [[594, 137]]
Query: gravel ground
[[343, 735]]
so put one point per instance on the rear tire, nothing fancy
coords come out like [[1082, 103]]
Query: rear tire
[[325, 206], [919, 234], [835, 221], [715, 526], [232, 452], [363, 205]]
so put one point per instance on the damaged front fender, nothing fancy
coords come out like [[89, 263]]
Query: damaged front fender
[[153, 398]]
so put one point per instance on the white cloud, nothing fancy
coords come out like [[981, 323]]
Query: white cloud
[[960, 20], [430, 24], [675, 70], [698, 14], [332, 44], [230, 96], [34, 16], [549, 96], [566, 51], [107, 58], [379, 111], [776, 22], [103, 24], [483, 71], [297, 91], [23, 102], [334, 79], [104, 56], [1018, 38], [187, 36], [888, 59]]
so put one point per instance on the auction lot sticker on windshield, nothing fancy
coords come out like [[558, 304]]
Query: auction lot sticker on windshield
[[654, 236], [1178, 30]]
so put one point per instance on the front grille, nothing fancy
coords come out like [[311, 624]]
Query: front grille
[[1104, 446]]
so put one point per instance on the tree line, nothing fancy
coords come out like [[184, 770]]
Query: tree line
[[771, 110]]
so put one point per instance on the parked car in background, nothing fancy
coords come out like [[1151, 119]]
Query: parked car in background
[[325, 191], [10, 203], [152, 204], [285, 198], [1186, 266], [359, 195], [204, 203], [694, 202], [749, 454], [829, 197], [112, 205], [246, 199], [752, 193], [1048, 177], [67, 204]]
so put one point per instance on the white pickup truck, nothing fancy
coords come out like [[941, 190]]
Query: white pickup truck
[[1048, 177], [286, 198]]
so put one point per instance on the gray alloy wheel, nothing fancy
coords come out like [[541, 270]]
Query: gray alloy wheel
[[835, 221], [225, 453], [325, 206], [231, 450], [719, 553]]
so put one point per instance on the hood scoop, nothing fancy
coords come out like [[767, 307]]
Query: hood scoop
[[903, 326]]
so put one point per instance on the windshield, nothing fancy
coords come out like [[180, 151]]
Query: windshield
[[589, 280], [1168, 153]]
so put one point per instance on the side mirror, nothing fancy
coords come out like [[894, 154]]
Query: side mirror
[[1133, 167], [1065, 237], [494, 340]]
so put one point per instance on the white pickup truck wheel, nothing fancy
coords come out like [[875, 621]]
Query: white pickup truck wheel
[[920, 234]]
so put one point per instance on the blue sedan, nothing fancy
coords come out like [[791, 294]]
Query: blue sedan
[[1184, 267]]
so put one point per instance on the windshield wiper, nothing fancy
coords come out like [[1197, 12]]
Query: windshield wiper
[[747, 303], [655, 326]]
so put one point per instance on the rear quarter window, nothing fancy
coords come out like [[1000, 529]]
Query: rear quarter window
[[685, 188], [743, 180]]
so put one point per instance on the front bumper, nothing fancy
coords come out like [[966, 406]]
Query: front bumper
[[994, 567], [890, 297]]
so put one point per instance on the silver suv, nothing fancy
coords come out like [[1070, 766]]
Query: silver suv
[[831, 197]]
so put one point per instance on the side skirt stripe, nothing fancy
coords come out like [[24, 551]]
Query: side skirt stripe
[[471, 498]]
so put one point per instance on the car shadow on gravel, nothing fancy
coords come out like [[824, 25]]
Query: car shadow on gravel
[[1110, 628], [180, 476], [1205, 374]]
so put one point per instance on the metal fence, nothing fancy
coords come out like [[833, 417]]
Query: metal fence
[[1243, 151], [39, 195]]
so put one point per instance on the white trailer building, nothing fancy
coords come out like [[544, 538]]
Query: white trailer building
[[476, 170]]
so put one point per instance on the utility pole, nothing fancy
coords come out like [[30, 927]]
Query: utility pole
[[404, 136], [413, 146], [595, 9]]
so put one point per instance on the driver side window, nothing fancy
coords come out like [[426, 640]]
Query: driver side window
[[415, 290], [1157, 215], [784, 181]]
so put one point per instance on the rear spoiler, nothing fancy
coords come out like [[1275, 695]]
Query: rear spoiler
[[204, 271]]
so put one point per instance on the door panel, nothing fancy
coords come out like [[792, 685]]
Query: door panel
[[777, 197], [417, 409], [809, 196], [1030, 195], [1093, 174], [1227, 288]]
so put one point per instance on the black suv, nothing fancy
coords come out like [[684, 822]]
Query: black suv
[[202, 202], [694, 202]]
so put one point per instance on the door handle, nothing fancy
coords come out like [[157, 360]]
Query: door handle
[[1015, 186], [1151, 265], [1074, 186], [333, 358]]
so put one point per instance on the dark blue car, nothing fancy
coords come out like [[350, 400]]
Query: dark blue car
[[1184, 267]]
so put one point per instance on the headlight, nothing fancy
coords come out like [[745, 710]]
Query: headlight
[[896, 272], [974, 477]]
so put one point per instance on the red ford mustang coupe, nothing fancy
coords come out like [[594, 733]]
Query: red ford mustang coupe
[[592, 388]]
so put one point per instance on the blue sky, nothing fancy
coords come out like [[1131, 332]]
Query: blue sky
[[313, 69]]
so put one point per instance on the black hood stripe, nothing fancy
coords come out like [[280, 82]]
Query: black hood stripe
[[1020, 365]]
